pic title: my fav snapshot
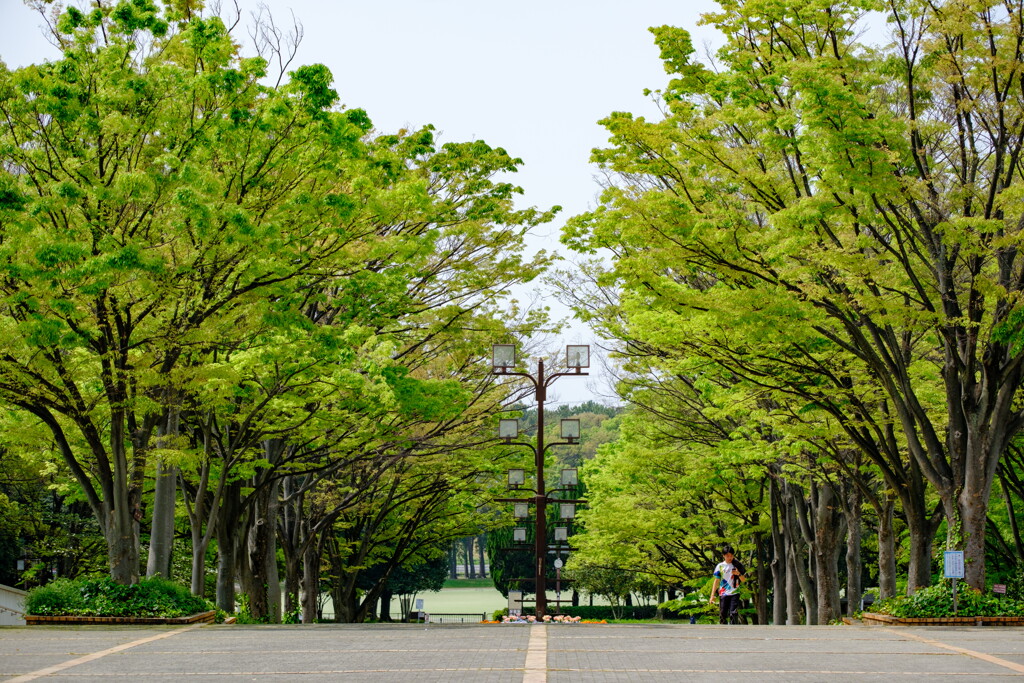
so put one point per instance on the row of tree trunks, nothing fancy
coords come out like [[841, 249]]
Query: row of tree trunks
[[812, 522], [465, 549]]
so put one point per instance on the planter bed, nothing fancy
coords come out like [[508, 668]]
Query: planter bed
[[870, 618], [73, 620]]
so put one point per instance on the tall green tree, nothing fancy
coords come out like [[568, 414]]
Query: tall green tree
[[811, 187], [157, 197]]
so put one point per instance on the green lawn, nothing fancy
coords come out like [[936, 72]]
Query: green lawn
[[465, 596], [460, 600], [469, 583]]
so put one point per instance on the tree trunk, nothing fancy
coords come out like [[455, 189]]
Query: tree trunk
[[161, 537], [121, 527], [481, 544], [793, 607], [886, 549], [344, 603], [467, 546], [385, 604], [973, 508], [922, 534], [292, 585], [1018, 544], [123, 550], [761, 595], [827, 532], [199, 547], [310, 583], [261, 577], [453, 561], [228, 525], [270, 559], [805, 570], [853, 543], [778, 564]]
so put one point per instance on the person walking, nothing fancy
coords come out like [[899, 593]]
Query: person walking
[[726, 587]]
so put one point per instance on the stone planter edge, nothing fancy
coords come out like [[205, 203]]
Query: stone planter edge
[[870, 617], [73, 620]]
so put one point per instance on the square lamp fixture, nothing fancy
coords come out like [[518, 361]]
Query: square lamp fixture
[[561, 533], [503, 357], [577, 356], [516, 478], [570, 430], [508, 429], [519, 535], [570, 477], [521, 510], [566, 510]]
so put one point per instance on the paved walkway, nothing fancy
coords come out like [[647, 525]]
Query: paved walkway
[[514, 653]]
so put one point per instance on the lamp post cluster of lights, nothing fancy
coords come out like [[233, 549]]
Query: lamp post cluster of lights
[[577, 360]]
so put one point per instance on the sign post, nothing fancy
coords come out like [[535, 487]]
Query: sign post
[[953, 568], [515, 603], [558, 582]]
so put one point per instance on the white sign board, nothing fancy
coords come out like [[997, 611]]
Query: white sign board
[[515, 602], [953, 567], [419, 604], [999, 588]]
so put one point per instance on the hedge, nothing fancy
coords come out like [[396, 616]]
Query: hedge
[[937, 601], [104, 597]]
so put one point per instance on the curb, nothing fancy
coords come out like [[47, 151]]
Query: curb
[[77, 620], [870, 617]]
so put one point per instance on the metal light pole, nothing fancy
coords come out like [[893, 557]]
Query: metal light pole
[[503, 363]]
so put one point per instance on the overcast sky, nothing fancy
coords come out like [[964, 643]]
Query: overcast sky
[[532, 77]]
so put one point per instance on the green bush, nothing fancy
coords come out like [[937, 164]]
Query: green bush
[[937, 601], [156, 597], [692, 605], [59, 597]]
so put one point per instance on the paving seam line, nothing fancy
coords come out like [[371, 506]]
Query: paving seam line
[[536, 669], [991, 659], [97, 655]]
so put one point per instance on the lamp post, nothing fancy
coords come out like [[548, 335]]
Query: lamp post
[[503, 362]]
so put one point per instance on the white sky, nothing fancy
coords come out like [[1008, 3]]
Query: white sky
[[532, 77]]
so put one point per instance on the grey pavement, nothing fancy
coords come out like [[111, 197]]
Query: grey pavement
[[519, 653]]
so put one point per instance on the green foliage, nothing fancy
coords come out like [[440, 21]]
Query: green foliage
[[693, 604], [243, 615], [800, 228], [103, 597], [509, 564], [192, 233], [294, 615], [1015, 584], [937, 601], [59, 597]]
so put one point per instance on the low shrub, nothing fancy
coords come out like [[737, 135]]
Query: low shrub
[[57, 598], [937, 601], [156, 597], [692, 605]]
